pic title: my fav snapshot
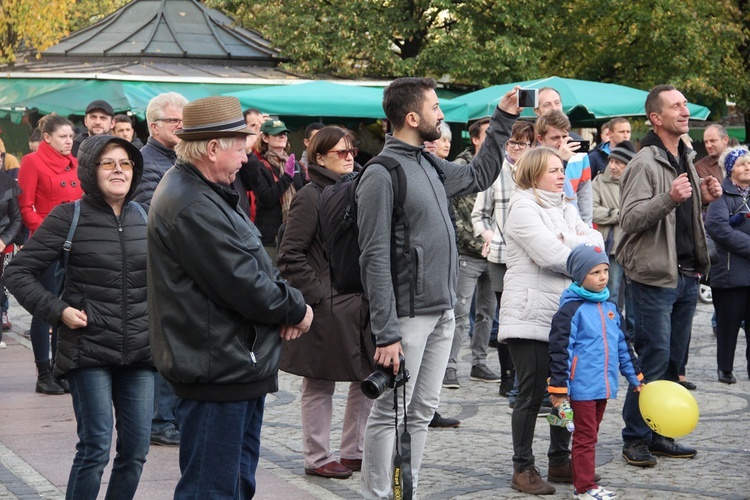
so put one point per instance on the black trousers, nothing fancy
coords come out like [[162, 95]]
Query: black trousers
[[531, 361], [732, 307]]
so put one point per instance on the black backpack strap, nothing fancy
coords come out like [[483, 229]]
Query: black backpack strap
[[69, 238], [398, 182]]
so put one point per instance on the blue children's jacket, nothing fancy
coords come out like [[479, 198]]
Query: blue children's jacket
[[586, 347]]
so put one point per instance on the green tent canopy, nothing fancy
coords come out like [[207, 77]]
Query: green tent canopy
[[586, 103], [330, 99], [71, 96]]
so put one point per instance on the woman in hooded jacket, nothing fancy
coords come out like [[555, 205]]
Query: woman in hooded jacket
[[103, 349]]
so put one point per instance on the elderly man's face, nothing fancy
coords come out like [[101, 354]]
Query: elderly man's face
[[227, 162]]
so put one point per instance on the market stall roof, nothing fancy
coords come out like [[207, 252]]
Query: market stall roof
[[586, 103], [160, 38], [145, 48], [329, 99], [166, 29]]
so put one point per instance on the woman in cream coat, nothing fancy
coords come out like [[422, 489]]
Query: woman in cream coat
[[540, 231]]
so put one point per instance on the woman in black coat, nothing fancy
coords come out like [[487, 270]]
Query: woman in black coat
[[339, 345], [103, 347], [728, 225]]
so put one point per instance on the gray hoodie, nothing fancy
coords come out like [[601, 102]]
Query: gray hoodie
[[433, 247]]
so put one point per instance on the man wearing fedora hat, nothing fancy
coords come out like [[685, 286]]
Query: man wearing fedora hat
[[218, 310]]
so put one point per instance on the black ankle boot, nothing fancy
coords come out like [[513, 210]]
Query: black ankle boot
[[45, 382], [63, 383]]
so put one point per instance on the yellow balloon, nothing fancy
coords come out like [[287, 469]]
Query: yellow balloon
[[668, 408]]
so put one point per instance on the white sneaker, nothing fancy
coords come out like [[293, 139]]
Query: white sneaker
[[595, 494], [3, 345]]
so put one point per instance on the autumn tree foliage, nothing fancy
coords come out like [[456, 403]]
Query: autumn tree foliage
[[37, 25]]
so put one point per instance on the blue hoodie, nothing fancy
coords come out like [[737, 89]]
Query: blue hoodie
[[586, 348]]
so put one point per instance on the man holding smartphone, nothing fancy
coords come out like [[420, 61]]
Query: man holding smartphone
[[553, 130]]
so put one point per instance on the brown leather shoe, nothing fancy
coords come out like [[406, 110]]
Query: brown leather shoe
[[530, 481], [333, 470], [564, 474], [353, 464]]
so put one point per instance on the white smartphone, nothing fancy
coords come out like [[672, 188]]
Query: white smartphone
[[528, 98]]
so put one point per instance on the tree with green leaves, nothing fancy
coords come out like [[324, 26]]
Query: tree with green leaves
[[701, 46], [472, 42], [692, 44]]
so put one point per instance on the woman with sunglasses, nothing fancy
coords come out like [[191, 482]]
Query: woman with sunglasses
[[103, 350], [47, 178], [274, 180], [338, 346]]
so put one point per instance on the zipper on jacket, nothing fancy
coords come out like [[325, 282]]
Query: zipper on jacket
[[252, 348], [606, 348], [123, 302]]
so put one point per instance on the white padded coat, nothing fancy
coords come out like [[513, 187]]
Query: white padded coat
[[539, 238]]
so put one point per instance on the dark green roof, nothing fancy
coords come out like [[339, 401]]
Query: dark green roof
[[174, 29]]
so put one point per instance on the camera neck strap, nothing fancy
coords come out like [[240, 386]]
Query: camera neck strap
[[402, 474]]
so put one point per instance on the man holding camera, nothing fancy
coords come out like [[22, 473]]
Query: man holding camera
[[414, 318]]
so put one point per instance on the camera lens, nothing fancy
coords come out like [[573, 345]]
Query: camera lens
[[374, 385]]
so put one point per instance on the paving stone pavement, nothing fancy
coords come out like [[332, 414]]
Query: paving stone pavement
[[473, 461]]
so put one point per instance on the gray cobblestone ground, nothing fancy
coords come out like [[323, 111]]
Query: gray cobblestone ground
[[474, 461]]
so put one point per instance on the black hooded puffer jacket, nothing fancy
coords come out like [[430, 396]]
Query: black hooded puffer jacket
[[106, 274]]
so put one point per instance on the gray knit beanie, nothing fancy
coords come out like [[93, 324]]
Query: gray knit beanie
[[583, 258], [624, 152]]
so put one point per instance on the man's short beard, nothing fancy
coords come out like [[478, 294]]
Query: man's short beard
[[429, 134]]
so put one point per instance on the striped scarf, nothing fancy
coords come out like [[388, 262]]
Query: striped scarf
[[277, 163]]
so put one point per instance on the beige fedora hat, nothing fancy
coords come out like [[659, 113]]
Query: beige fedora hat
[[211, 118]]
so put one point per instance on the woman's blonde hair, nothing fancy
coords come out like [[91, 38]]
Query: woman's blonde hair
[[532, 165]]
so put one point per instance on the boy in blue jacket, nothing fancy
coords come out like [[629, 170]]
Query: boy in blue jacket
[[586, 348]]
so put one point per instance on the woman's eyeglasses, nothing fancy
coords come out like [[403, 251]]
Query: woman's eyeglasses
[[343, 153], [110, 164], [519, 145]]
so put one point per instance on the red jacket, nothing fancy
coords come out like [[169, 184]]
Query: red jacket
[[47, 179]]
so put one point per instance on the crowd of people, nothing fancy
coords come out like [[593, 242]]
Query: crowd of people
[[522, 234]]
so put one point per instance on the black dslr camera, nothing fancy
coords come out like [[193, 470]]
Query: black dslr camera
[[383, 377]]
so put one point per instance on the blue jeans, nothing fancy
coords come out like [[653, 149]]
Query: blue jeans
[[165, 403], [95, 391], [52, 280], [663, 320], [219, 448], [616, 272]]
